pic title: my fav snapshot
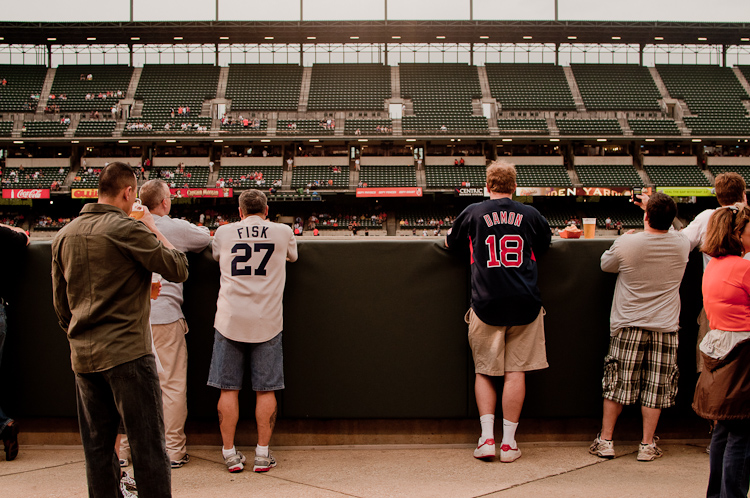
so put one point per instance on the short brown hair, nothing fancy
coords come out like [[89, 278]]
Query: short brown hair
[[730, 188], [253, 202], [724, 229], [153, 193], [501, 177], [660, 211], [115, 177]]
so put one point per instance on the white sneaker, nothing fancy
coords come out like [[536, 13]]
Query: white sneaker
[[508, 454], [485, 449], [649, 452], [602, 448], [235, 463]]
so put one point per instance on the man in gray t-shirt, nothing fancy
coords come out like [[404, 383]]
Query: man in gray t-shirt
[[641, 364], [168, 322]]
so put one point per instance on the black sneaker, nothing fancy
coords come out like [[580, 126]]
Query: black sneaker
[[10, 441]]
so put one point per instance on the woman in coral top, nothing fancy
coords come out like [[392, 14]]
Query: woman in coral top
[[723, 390]]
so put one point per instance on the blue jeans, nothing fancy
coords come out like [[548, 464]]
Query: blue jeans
[[729, 460], [4, 419], [129, 392]]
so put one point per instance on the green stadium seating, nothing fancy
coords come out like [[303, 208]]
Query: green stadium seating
[[349, 87], [367, 126], [237, 128], [621, 87], [388, 176], [304, 175], [191, 176], [530, 86], [6, 128], [302, 127], [653, 127], [609, 175], [677, 176], [547, 175], [449, 176], [522, 126], [442, 96], [742, 170], [47, 176], [264, 87], [713, 93], [44, 129], [105, 78], [235, 173], [21, 82], [96, 128], [588, 127]]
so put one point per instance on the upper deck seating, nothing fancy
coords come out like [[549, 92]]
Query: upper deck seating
[[71, 86], [442, 98], [713, 94], [530, 86], [349, 87], [22, 88], [264, 87], [611, 87]]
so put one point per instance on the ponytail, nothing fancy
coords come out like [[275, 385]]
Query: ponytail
[[724, 229]]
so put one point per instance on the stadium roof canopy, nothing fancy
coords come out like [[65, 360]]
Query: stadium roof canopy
[[298, 32]]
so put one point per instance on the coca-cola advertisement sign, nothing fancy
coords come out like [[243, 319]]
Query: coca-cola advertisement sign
[[25, 193]]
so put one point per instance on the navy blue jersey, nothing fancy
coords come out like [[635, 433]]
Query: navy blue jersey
[[503, 236]]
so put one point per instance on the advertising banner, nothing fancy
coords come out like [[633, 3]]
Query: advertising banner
[[84, 193], [687, 191], [472, 192], [201, 192], [545, 191], [389, 192], [25, 193], [579, 191]]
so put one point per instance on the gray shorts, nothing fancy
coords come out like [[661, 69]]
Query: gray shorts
[[228, 364]]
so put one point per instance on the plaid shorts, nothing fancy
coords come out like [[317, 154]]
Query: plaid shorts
[[641, 364]]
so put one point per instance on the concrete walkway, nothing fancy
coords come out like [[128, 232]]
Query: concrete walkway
[[420, 471]]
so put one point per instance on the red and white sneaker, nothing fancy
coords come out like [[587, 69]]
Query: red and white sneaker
[[508, 454], [485, 450]]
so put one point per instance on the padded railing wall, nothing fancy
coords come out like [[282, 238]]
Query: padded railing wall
[[373, 329]]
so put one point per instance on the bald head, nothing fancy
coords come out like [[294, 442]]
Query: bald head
[[153, 194]]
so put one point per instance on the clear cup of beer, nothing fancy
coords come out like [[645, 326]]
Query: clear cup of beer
[[137, 210]]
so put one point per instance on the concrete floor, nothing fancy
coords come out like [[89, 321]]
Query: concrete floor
[[409, 471]]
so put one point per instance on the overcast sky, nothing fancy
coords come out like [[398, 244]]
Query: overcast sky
[[262, 10]]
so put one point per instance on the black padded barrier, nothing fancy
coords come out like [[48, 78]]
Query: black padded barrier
[[373, 329]]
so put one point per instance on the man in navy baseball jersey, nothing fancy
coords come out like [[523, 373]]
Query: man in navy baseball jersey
[[506, 325]]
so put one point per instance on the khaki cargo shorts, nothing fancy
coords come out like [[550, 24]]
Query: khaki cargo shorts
[[496, 350]]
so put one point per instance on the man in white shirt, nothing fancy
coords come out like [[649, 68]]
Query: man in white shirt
[[252, 255], [168, 324]]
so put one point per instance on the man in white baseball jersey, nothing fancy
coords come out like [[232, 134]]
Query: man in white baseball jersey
[[168, 324], [252, 255]]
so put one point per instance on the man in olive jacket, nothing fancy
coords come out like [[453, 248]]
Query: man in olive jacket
[[101, 278]]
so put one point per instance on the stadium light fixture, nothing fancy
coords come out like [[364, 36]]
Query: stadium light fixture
[[554, 139], [507, 139], [122, 141], [17, 141], [218, 141], [411, 139], [312, 37], [171, 141], [51, 39], [696, 140], [314, 140], [354, 37], [484, 37], [617, 37], [744, 39], [440, 37], [135, 38], [650, 140], [268, 37], [178, 38], [658, 38], [396, 37], [601, 139], [572, 38], [223, 38], [265, 141], [702, 38], [91, 38], [2, 38], [528, 37], [75, 141], [362, 140]]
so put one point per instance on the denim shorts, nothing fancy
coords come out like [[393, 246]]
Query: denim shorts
[[228, 364]]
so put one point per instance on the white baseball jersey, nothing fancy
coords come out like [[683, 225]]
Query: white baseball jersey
[[252, 255]]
